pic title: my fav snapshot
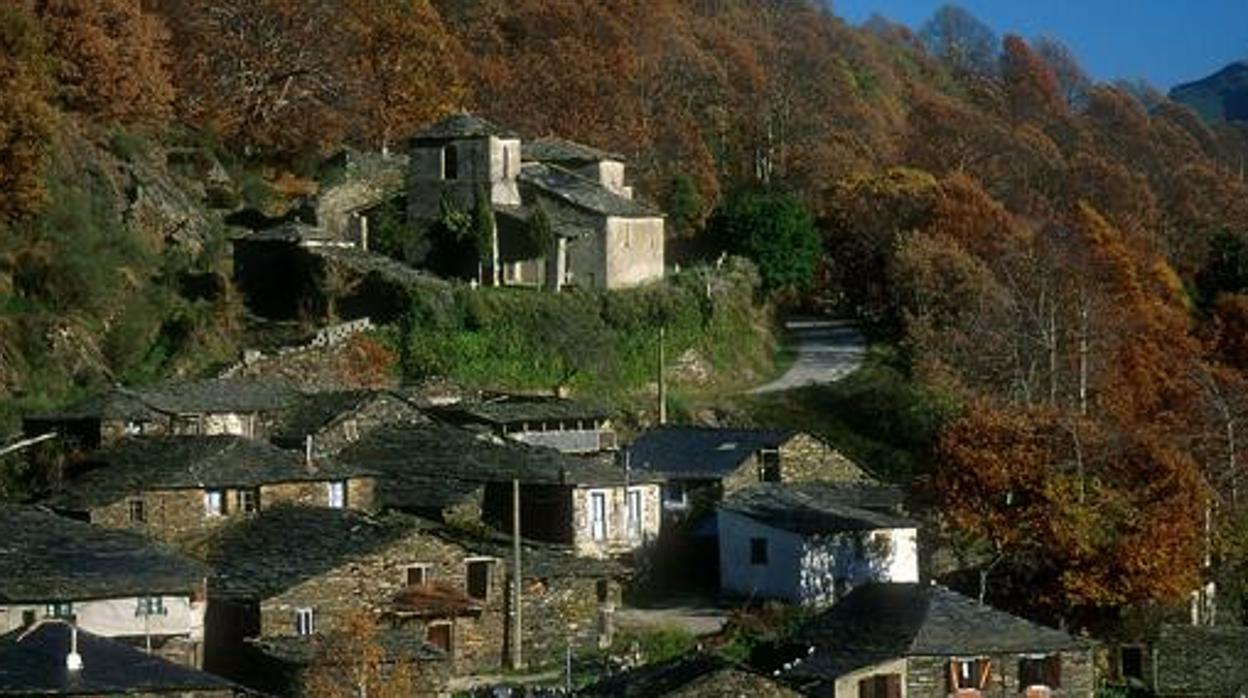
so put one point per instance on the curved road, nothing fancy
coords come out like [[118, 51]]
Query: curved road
[[827, 351]]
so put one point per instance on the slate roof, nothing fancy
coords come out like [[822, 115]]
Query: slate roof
[[289, 231], [812, 508], [300, 650], [316, 411], [45, 557], [500, 410], [407, 457], [190, 462], [695, 675], [32, 662], [581, 191], [1202, 660], [537, 559], [885, 620], [462, 126], [560, 150], [190, 397], [701, 452], [364, 263]]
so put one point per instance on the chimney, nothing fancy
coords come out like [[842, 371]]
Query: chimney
[[73, 660]]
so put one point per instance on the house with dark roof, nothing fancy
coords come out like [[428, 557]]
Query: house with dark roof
[[291, 573], [441, 471], [566, 425], [886, 640], [695, 676], [602, 237], [811, 543], [334, 420], [225, 406], [701, 465], [56, 658], [111, 583], [179, 487], [1176, 660]]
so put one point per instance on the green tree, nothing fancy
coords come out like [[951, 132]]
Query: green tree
[[684, 204], [775, 230]]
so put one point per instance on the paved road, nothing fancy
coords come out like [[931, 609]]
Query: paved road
[[698, 617], [827, 351]]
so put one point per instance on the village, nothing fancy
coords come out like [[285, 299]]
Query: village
[[245, 534]]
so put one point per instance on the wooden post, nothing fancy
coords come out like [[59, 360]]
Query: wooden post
[[662, 380], [517, 657]]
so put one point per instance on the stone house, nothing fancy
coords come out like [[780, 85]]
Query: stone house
[[603, 239], [702, 465], [227, 406], [337, 419], [294, 572], [890, 640], [565, 425], [288, 660], [438, 470], [37, 661], [695, 676], [180, 487], [110, 583], [811, 543], [1179, 660]]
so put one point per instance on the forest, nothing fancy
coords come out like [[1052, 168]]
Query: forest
[[1063, 262]]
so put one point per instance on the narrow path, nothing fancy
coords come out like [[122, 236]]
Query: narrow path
[[827, 351]]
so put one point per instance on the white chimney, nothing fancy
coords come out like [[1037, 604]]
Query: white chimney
[[73, 661]]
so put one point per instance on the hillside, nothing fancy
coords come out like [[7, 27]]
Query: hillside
[[1222, 96]]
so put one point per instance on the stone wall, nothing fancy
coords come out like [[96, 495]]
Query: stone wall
[[368, 181], [619, 538], [380, 410], [634, 251], [927, 677], [746, 475], [488, 163], [559, 611], [804, 458], [360, 494]]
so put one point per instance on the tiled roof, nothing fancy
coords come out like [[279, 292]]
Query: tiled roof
[[884, 620], [32, 662], [581, 191], [45, 557], [516, 409], [189, 462], [560, 150], [701, 452], [813, 508], [462, 126]]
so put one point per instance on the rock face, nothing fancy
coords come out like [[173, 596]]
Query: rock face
[[1220, 97]]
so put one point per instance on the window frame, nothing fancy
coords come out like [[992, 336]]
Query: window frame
[[760, 551], [146, 606], [248, 500], [635, 526], [63, 610], [603, 496], [450, 635], [305, 621], [1048, 666], [450, 162], [489, 563], [341, 486], [136, 510], [426, 574], [221, 508]]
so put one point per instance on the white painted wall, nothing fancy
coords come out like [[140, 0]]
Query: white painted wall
[[634, 251], [807, 569], [117, 618]]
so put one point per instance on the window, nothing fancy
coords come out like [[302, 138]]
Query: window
[[417, 575], [758, 551], [1039, 670], [439, 635], [63, 610], [150, 606], [138, 512], [303, 621], [1131, 663], [675, 495], [968, 674], [248, 501], [214, 503], [634, 513], [337, 494], [880, 686], [603, 587], [478, 575], [598, 515], [450, 162], [769, 465]]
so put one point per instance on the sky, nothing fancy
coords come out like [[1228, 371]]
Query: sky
[[1165, 42]]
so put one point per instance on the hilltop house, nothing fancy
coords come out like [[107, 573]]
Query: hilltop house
[[603, 238], [701, 465], [595, 509], [294, 573], [889, 640], [110, 583], [37, 661], [565, 425], [176, 486], [812, 543], [227, 406]]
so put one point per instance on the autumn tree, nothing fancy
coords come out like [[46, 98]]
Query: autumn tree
[[958, 37], [112, 58], [353, 661], [1071, 78], [25, 114], [1030, 83]]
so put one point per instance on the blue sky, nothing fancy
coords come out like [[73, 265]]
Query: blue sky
[[1163, 41]]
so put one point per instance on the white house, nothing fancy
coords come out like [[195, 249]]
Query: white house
[[810, 543]]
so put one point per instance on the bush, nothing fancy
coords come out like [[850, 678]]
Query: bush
[[775, 230]]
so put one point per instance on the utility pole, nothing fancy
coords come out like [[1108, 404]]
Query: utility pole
[[517, 658], [662, 380]]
